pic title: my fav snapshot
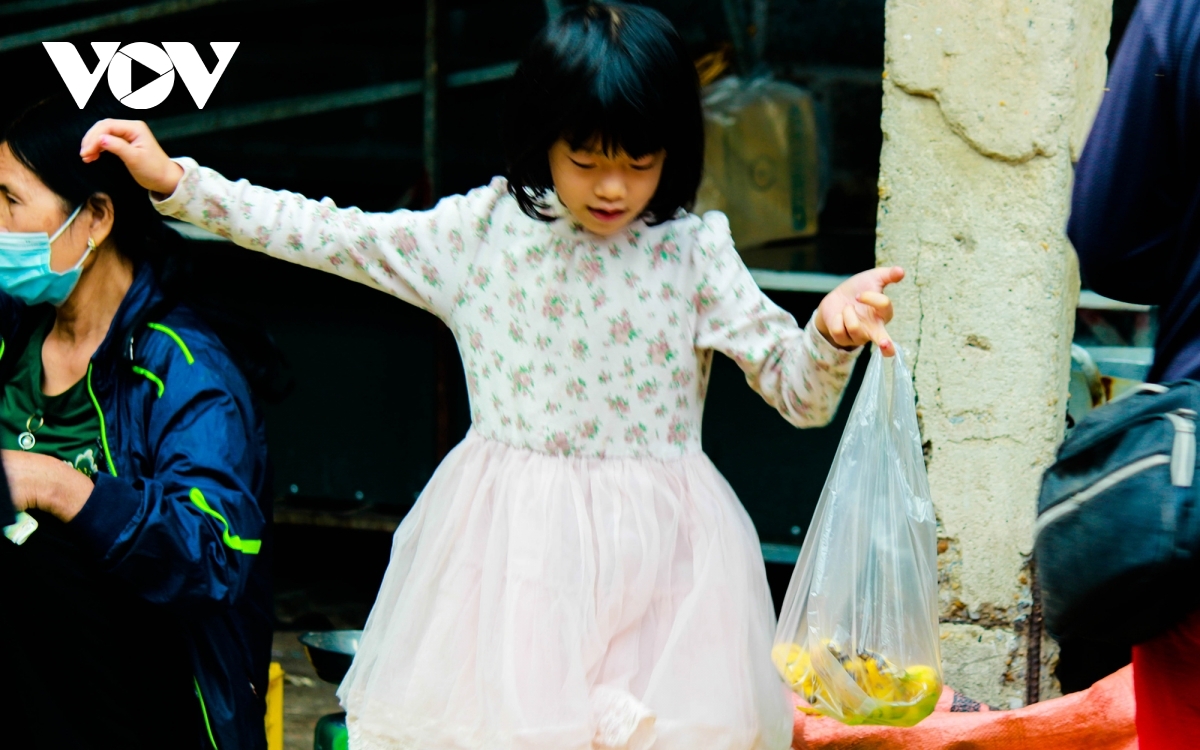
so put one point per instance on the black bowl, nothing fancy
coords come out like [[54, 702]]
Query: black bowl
[[331, 652]]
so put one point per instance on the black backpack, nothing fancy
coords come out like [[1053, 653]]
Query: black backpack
[[1118, 528]]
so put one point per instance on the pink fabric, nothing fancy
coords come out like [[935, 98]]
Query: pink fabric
[[537, 602], [1099, 718]]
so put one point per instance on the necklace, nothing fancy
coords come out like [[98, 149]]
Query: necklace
[[26, 439]]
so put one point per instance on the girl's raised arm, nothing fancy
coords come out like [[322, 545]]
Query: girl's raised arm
[[416, 256], [796, 370]]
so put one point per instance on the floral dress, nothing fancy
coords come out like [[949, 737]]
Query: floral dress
[[576, 574]]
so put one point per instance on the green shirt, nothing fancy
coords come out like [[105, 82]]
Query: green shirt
[[66, 426]]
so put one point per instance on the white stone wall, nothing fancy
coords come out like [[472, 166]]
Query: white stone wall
[[985, 104]]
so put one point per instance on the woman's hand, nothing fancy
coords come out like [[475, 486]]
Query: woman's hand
[[45, 483], [856, 311], [133, 143]]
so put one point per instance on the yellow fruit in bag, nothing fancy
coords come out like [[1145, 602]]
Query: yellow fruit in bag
[[858, 630], [877, 691]]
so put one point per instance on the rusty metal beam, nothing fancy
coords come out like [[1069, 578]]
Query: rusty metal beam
[[39, 6], [822, 283], [736, 21], [497, 72], [430, 91], [280, 109], [284, 109], [106, 21], [762, 13]]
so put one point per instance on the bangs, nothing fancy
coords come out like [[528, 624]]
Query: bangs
[[624, 129], [615, 112], [612, 78]]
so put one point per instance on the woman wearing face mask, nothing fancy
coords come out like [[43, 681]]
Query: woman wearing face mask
[[136, 615]]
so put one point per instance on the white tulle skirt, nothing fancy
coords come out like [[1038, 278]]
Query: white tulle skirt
[[541, 602]]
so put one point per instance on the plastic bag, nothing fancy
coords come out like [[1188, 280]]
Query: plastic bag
[[858, 633], [762, 159]]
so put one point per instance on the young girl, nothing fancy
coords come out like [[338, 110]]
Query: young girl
[[577, 574]]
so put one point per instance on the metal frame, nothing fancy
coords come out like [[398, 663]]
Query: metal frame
[[430, 90], [750, 51], [761, 9], [106, 21], [823, 283], [283, 109], [38, 6], [737, 33], [779, 281]]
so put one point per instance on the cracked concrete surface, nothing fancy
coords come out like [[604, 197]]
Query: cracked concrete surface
[[985, 103], [1005, 75]]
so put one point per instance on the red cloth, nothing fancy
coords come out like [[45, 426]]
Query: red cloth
[[1099, 718], [1166, 680]]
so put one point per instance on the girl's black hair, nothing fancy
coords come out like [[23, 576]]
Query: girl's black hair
[[45, 139], [611, 75]]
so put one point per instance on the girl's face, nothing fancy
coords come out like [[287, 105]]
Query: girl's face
[[604, 192]]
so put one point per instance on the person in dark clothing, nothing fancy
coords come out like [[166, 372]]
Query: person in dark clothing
[[1135, 223], [138, 612]]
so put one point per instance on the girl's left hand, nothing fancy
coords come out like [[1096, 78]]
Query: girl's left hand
[[45, 483], [855, 312]]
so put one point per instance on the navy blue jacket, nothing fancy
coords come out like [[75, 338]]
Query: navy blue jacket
[[179, 511], [1135, 212]]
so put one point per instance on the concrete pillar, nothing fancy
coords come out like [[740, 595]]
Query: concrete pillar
[[986, 103]]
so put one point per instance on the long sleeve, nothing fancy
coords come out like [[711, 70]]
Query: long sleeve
[[419, 256], [794, 369], [189, 534], [1127, 201]]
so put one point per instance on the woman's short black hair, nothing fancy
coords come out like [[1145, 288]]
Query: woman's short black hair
[[611, 75], [45, 138]]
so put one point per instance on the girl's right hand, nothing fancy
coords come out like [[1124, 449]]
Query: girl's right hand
[[133, 143]]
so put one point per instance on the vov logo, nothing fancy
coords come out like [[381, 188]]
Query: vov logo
[[118, 61]]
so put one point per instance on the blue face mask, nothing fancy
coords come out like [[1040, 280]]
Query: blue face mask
[[25, 266]]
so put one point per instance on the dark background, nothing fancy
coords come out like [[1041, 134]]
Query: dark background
[[373, 375]]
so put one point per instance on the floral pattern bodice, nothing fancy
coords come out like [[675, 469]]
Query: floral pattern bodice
[[573, 344]]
